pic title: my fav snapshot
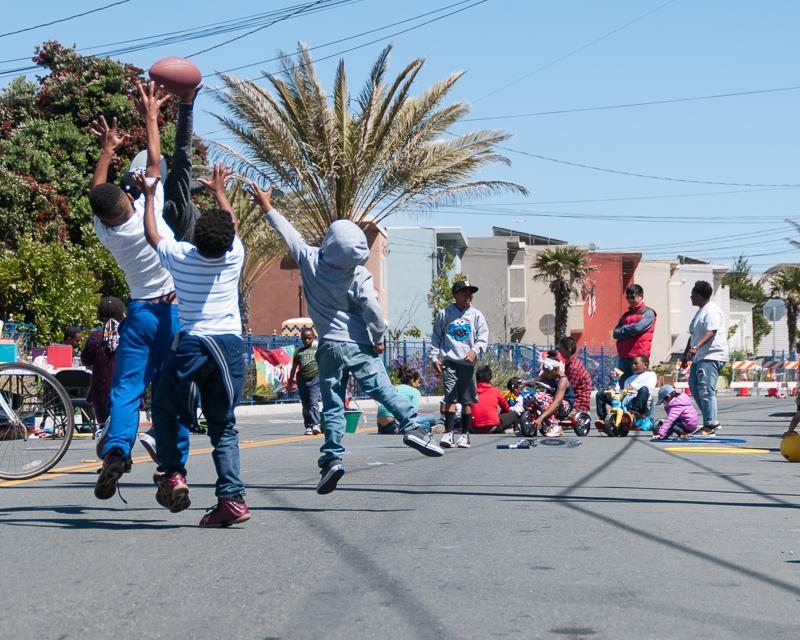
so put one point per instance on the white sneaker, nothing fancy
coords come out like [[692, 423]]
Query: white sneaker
[[149, 444], [315, 431], [463, 441], [447, 440], [309, 431]]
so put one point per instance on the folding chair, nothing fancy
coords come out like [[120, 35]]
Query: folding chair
[[76, 382]]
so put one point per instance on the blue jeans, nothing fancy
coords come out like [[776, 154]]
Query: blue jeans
[[145, 339], [309, 398], [337, 361], [703, 385]]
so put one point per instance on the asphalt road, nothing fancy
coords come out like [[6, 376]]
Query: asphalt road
[[616, 538]]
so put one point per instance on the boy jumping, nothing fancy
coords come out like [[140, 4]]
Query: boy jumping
[[349, 321]]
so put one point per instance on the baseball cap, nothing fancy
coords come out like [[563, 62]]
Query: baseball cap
[[461, 285], [663, 392]]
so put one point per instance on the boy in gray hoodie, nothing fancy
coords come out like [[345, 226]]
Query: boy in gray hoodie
[[460, 337], [343, 304]]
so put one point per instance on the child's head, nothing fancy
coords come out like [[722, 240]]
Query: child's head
[[307, 337], [567, 347], [513, 385], [410, 377], [484, 374], [640, 364], [344, 246], [110, 204], [73, 336], [667, 393], [462, 293], [111, 308], [214, 232]]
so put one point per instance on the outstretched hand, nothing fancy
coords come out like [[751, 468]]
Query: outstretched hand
[[190, 96], [144, 183], [220, 174], [150, 99], [262, 198], [110, 138]]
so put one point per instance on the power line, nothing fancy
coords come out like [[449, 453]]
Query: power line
[[577, 50], [72, 17], [634, 104]]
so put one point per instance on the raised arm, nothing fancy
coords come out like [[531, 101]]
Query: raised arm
[[149, 105], [215, 183], [148, 186], [291, 236], [110, 140]]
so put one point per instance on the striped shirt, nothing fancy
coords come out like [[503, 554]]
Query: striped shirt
[[208, 289]]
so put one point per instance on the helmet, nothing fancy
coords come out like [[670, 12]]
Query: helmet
[[790, 447]]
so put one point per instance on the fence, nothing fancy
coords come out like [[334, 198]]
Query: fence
[[21, 333]]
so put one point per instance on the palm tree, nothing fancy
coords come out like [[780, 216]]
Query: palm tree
[[360, 160], [565, 270], [785, 285]]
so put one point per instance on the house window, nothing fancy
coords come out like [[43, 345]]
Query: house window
[[516, 283]]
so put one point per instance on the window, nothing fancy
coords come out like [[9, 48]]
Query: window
[[516, 283]]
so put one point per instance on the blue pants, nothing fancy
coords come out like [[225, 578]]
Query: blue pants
[[309, 398], [703, 385], [337, 361], [145, 338], [191, 370]]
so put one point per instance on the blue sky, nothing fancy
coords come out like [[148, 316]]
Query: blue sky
[[531, 57]]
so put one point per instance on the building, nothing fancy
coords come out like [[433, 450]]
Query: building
[[741, 327]]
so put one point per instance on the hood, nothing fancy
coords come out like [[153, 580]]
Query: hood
[[344, 246]]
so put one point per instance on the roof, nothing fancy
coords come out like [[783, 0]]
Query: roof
[[527, 238]]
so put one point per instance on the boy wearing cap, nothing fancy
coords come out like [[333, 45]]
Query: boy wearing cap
[[681, 417], [460, 337]]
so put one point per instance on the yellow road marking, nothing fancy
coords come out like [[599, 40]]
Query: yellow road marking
[[246, 444], [715, 450]]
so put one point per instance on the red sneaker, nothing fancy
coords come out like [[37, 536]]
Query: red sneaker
[[175, 492], [227, 511]]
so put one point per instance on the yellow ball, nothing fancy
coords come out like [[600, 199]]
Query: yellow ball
[[790, 447]]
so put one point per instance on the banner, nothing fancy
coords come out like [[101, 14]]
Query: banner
[[273, 367]]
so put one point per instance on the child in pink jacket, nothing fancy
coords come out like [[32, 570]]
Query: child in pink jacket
[[681, 417]]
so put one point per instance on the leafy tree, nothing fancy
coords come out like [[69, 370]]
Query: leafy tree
[[386, 154], [441, 293], [742, 287], [785, 285], [564, 270]]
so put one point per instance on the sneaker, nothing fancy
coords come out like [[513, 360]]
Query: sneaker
[[161, 489], [149, 444], [600, 425], [309, 431], [176, 492], [448, 440], [102, 438], [329, 476], [645, 424], [422, 442], [316, 430], [463, 441], [708, 432], [110, 473], [437, 428], [226, 512]]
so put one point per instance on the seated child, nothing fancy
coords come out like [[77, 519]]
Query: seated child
[[681, 417], [576, 373], [485, 415], [555, 397], [410, 382], [642, 382]]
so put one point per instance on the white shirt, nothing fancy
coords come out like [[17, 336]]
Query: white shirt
[[644, 379], [709, 317], [208, 290], [138, 260]]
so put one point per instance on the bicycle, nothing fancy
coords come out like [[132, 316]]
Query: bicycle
[[37, 421]]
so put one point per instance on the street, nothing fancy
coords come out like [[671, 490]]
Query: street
[[616, 538]]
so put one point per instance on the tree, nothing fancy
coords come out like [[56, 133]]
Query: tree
[[742, 287], [441, 293], [785, 285], [387, 154], [565, 270]]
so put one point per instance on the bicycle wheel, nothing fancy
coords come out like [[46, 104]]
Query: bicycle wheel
[[36, 421]]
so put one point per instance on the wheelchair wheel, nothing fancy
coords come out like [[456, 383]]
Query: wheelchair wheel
[[36, 421], [583, 423]]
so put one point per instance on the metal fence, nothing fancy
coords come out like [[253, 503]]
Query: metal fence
[[21, 333]]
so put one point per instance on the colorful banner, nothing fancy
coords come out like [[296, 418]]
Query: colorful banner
[[273, 367]]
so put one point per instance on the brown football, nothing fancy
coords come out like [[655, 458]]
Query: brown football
[[176, 75]]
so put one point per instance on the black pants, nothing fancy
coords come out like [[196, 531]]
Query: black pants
[[639, 404]]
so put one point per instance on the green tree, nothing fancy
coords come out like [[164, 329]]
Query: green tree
[[785, 285], [361, 160], [440, 294], [742, 287], [564, 270]]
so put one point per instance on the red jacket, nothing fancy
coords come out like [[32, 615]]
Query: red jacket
[[634, 331], [484, 411]]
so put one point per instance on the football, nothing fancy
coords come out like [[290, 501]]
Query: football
[[176, 75]]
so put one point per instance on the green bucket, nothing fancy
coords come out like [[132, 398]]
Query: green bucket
[[351, 419]]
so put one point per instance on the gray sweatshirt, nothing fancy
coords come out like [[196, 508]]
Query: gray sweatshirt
[[457, 332], [339, 290]]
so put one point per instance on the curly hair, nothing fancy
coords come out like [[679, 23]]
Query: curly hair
[[214, 233], [407, 375], [108, 201], [483, 374]]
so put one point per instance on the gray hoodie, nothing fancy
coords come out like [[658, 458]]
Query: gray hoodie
[[456, 332], [339, 290]]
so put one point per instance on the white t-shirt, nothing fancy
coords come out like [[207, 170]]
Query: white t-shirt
[[138, 260], [208, 290], [709, 318], [645, 379]]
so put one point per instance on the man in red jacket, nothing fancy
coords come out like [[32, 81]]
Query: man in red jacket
[[634, 331]]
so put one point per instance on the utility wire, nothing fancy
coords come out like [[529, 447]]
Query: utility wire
[[72, 17]]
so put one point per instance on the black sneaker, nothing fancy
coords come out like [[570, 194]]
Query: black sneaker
[[113, 468], [422, 442], [329, 476]]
